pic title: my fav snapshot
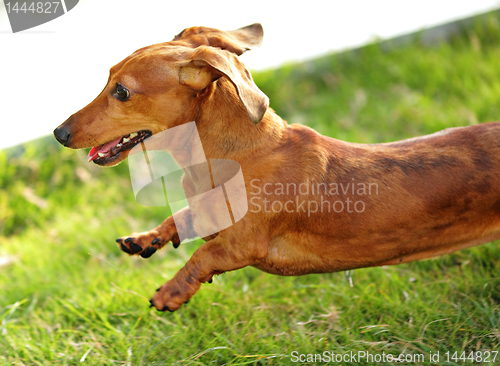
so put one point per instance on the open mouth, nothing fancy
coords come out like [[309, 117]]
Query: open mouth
[[110, 151]]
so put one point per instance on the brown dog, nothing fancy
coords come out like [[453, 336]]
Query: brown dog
[[316, 204]]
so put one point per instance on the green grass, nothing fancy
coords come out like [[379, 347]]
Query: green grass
[[68, 294]]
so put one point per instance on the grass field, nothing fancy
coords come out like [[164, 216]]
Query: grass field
[[69, 296]]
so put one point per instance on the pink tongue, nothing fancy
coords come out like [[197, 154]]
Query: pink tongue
[[102, 149]]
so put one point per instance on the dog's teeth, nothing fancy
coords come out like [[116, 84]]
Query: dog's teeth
[[125, 140], [132, 135], [101, 155], [119, 145]]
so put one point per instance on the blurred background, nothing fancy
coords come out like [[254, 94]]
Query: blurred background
[[360, 71]]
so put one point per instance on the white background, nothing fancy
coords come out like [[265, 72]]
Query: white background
[[53, 70]]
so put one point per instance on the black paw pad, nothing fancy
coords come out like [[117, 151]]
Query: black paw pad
[[210, 280], [152, 304], [175, 244], [125, 249], [148, 252], [166, 308], [135, 247], [156, 241]]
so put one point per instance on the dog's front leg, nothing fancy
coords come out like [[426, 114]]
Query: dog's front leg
[[214, 257], [147, 243]]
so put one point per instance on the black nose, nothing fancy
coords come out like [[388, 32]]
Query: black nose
[[62, 135]]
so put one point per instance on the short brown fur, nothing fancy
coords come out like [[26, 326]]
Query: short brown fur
[[435, 194]]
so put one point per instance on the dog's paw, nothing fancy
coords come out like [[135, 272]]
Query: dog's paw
[[169, 298], [176, 292], [146, 244]]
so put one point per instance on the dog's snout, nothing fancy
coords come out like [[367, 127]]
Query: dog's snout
[[63, 135]]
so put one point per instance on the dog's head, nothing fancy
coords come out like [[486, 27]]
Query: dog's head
[[162, 86]]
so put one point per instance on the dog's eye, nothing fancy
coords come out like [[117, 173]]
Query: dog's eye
[[122, 93]]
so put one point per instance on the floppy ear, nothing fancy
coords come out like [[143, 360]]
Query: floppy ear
[[237, 41], [208, 64]]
